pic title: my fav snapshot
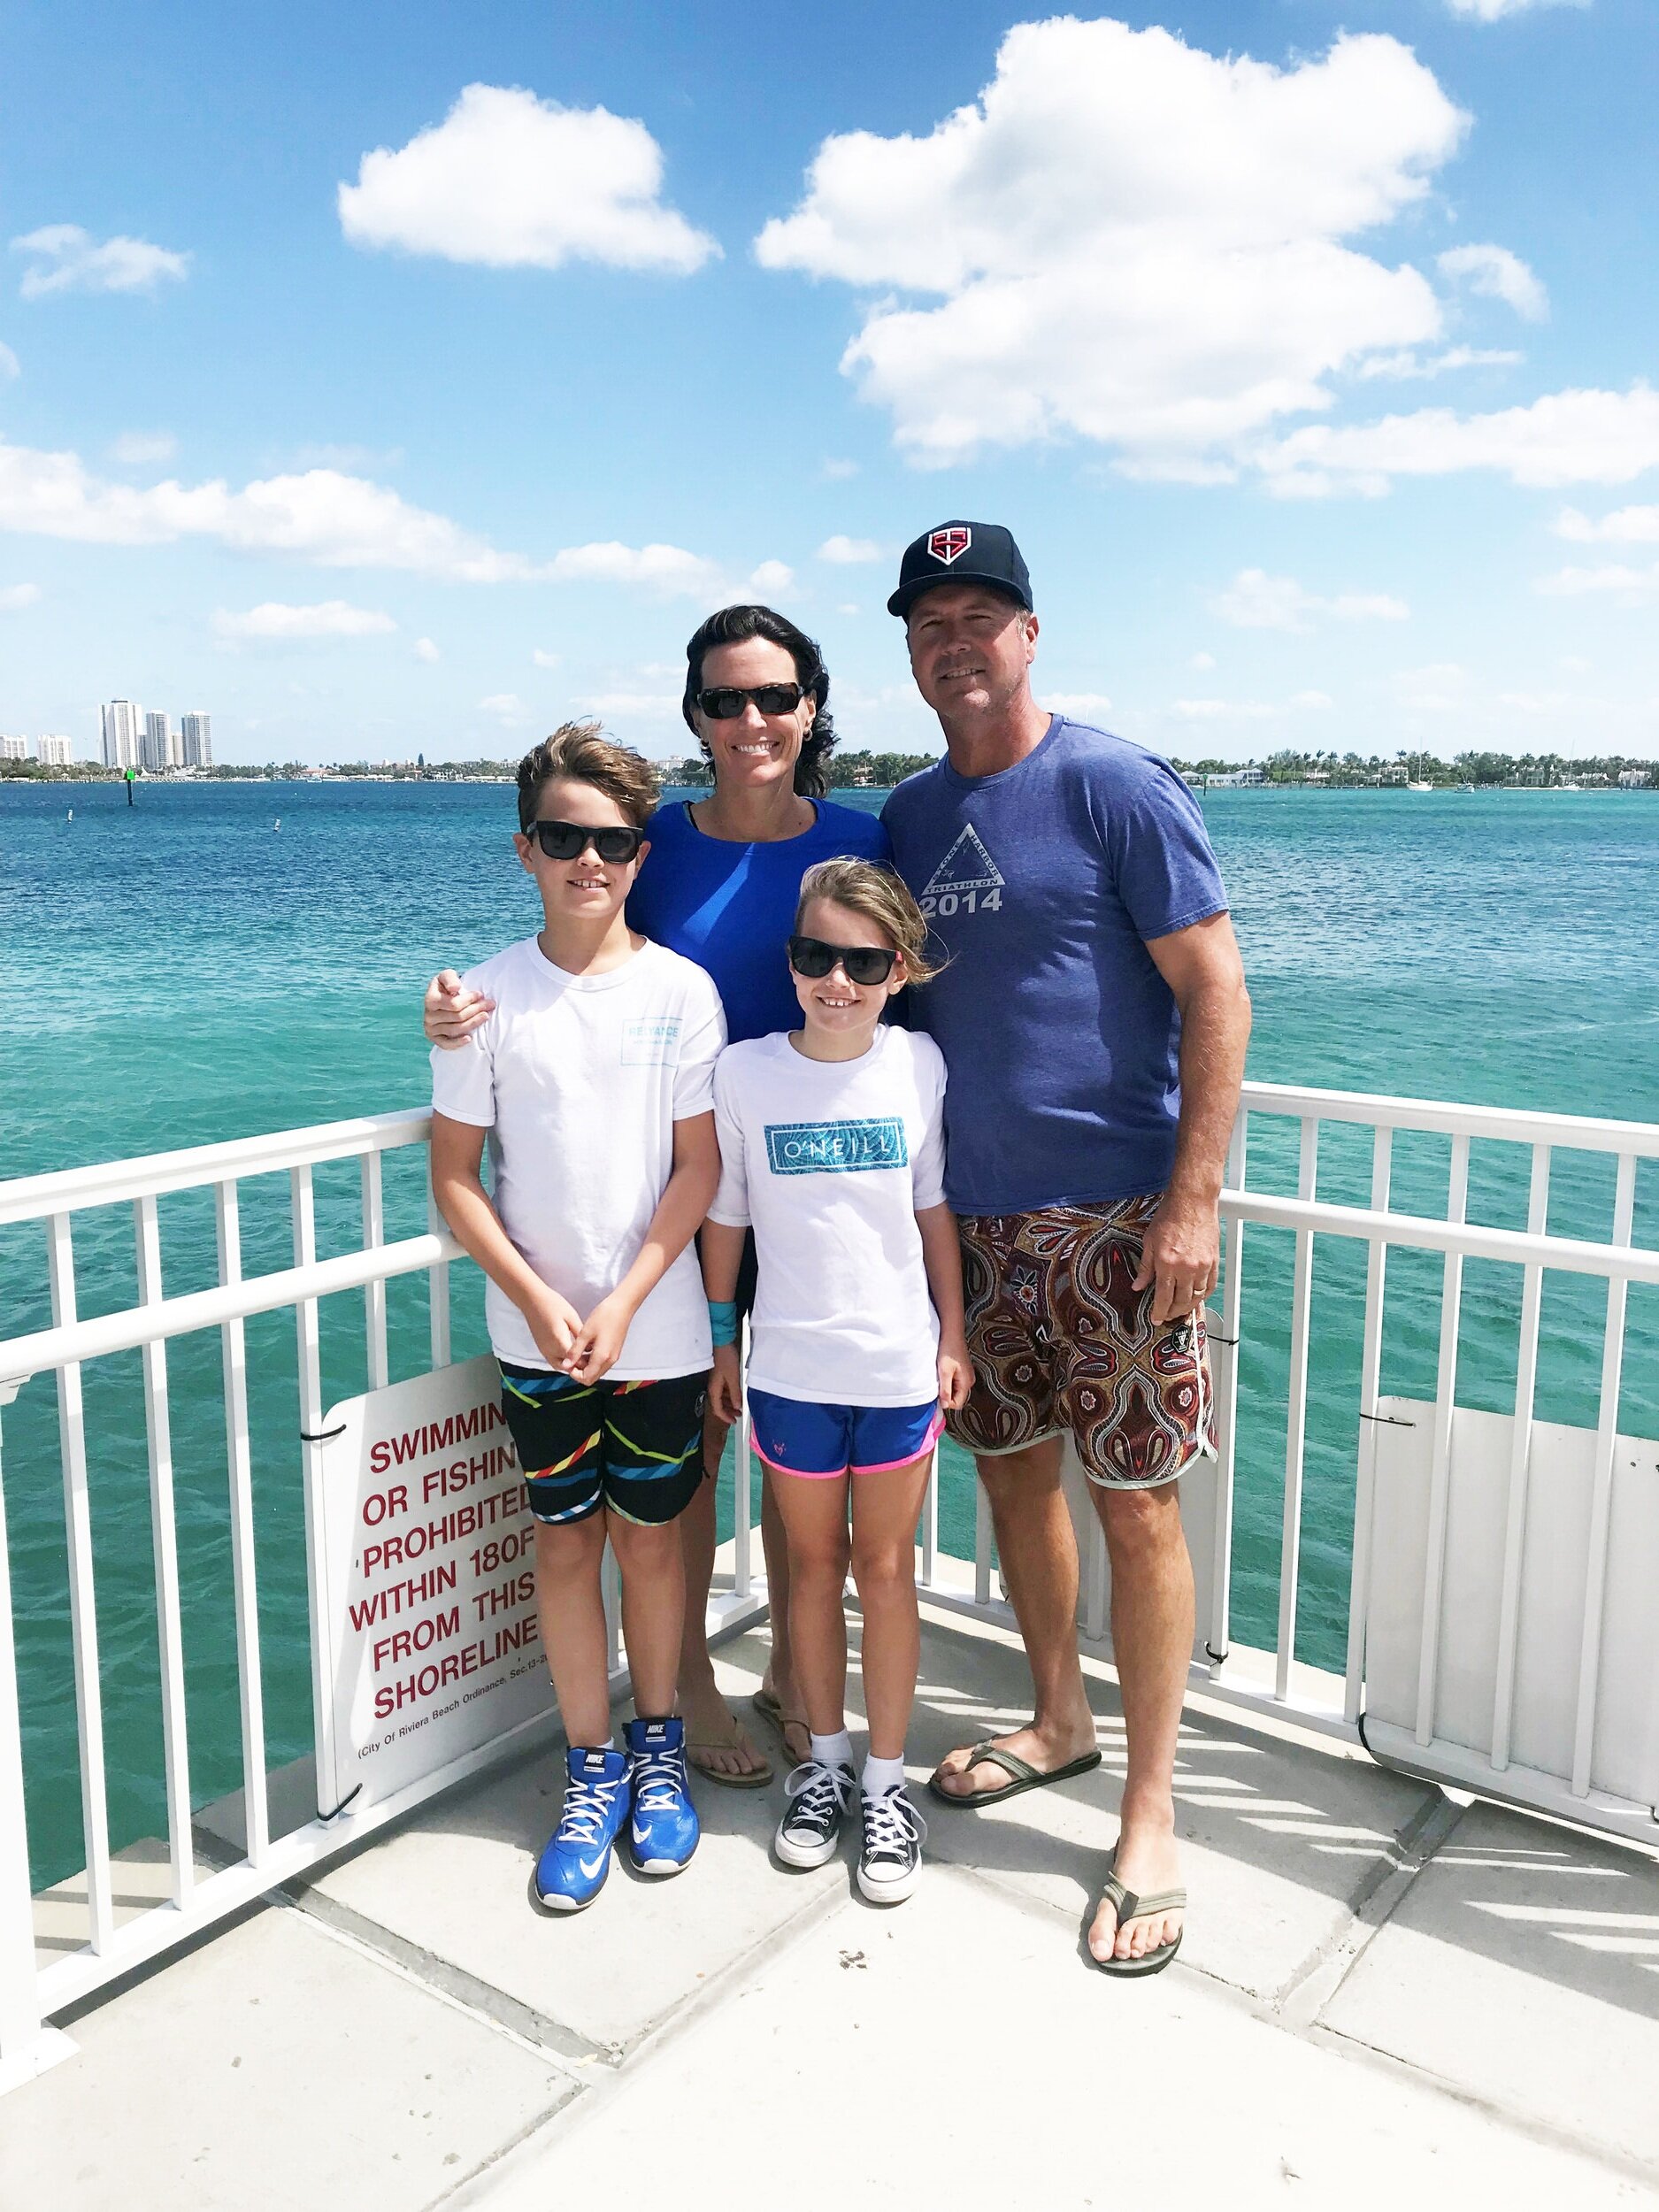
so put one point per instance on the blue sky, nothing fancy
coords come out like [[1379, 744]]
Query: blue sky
[[1307, 351]]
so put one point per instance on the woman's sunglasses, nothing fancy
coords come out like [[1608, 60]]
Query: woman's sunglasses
[[811, 957], [568, 841], [724, 702]]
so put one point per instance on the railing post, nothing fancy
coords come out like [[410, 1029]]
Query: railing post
[[1370, 1391], [1227, 1404], [1296, 1429], [1440, 1465], [310, 1395], [1601, 1490], [19, 1992], [164, 1542]]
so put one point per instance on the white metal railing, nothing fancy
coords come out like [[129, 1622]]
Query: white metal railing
[[1275, 1680]]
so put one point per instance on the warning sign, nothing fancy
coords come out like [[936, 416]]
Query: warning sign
[[431, 1579]]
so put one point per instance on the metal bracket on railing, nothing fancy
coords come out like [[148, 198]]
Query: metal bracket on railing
[[342, 1806], [321, 1436], [1212, 1336], [1219, 1658], [1387, 1421]]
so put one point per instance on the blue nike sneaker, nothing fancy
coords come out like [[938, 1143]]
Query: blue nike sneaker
[[572, 1871], [664, 1828]]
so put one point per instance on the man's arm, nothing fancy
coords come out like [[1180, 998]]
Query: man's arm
[[1183, 1242]]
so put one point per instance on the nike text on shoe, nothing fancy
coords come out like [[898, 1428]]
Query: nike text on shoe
[[664, 1828], [820, 1798], [890, 1864], [571, 1872]]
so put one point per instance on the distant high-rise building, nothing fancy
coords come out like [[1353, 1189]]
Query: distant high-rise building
[[14, 748], [196, 733], [154, 750], [56, 752], [123, 734]]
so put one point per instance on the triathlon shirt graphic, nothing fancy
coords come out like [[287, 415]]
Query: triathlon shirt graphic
[[829, 1160], [1042, 885]]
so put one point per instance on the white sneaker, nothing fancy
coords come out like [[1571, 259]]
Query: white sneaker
[[890, 1864]]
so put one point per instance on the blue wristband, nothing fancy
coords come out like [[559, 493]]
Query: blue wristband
[[723, 1320]]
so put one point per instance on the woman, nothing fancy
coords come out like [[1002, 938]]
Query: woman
[[721, 885]]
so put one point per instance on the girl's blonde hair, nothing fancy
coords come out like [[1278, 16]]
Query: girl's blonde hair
[[876, 893]]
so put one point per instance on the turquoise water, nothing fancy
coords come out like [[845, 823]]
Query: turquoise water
[[182, 971]]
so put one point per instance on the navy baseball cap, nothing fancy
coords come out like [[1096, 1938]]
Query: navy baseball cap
[[961, 553]]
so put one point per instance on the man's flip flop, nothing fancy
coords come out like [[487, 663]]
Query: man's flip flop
[[1129, 1906], [1023, 1776]]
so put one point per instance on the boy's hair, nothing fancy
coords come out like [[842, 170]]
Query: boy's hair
[[878, 895], [579, 752]]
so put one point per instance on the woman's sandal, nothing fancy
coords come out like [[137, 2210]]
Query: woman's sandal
[[1129, 1906], [766, 1704], [735, 1740]]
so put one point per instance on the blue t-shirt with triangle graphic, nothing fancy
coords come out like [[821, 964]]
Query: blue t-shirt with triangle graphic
[[1043, 884]]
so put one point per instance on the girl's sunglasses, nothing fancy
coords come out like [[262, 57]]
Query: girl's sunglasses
[[724, 702], [811, 957], [568, 841]]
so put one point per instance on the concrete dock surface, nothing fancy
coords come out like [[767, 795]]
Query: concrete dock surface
[[1385, 1990]]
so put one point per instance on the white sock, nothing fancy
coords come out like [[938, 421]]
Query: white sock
[[834, 1751], [882, 1775]]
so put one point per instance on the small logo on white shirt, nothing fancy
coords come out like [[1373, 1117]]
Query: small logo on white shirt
[[967, 879], [651, 1044]]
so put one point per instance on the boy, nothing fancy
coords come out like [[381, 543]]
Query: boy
[[594, 1079]]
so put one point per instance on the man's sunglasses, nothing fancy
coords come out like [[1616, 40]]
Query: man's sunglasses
[[568, 841], [724, 702], [811, 957]]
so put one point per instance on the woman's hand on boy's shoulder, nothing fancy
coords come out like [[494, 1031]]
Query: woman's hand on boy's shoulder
[[555, 1324], [450, 1013], [726, 1385], [956, 1376]]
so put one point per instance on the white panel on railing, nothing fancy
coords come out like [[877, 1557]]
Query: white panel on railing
[[83, 1611], [1601, 1504], [234, 1355]]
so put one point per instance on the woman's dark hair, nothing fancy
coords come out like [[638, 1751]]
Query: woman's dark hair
[[735, 625]]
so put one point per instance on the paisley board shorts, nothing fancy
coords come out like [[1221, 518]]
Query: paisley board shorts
[[1061, 1340]]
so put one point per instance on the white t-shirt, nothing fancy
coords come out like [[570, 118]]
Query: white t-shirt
[[829, 1160], [580, 1081]]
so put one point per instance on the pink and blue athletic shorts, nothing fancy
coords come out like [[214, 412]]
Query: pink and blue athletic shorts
[[823, 1441]]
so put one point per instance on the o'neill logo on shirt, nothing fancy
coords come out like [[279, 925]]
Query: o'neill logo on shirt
[[950, 544], [836, 1147], [967, 880]]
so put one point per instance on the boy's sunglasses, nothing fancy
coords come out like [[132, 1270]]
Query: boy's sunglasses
[[811, 957], [568, 841], [724, 702]]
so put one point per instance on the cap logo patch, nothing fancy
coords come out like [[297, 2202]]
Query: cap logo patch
[[950, 544]]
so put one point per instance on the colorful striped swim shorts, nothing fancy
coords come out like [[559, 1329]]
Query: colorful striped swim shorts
[[636, 1448]]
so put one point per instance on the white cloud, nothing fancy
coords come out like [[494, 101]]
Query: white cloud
[[322, 516], [1631, 586], [331, 618], [67, 260], [1077, 706], [14, 597], [1129, 240], [1256, 601], [1417, 364], [837, 472], [10, 365], [508, 707], [136, 446], [1315, 701], [513, 182], [1203, 661], [544, 660], [1571, 437], [1490, 10], [425, 650], [1497, 273], [1627, 525], [1442, 687], [847, 552]]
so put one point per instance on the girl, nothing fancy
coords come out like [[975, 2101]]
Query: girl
[[832, 1144]]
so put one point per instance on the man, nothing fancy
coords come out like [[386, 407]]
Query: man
[[1093, 1018]]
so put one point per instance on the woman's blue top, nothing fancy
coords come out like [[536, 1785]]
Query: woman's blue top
[[731, 907]]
